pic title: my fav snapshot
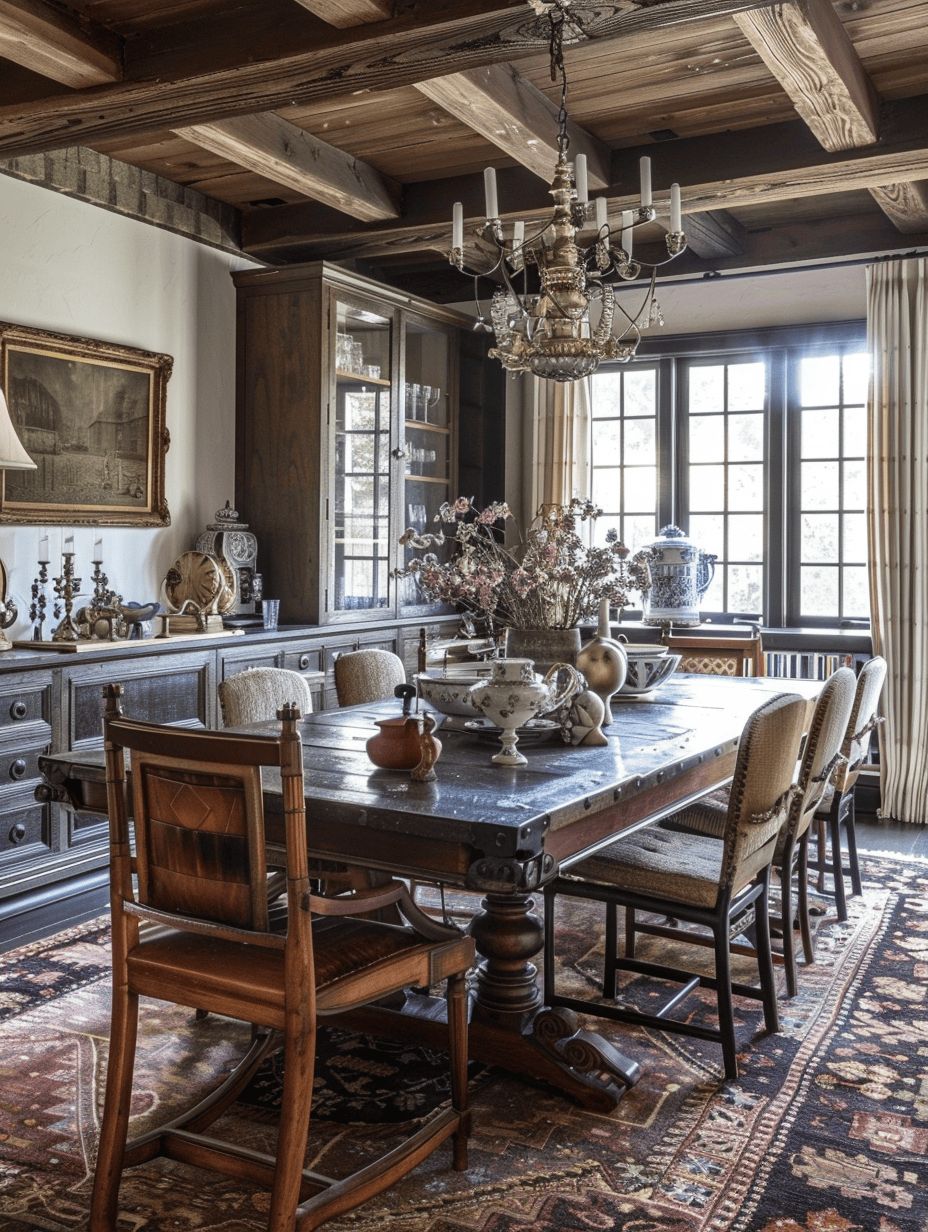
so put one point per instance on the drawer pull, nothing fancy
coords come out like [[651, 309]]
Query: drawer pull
[[18, 710], [18, 768], [18, 833], [304, 662]]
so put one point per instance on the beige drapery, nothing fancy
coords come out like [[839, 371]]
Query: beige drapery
[[897, 331], [559, 465]]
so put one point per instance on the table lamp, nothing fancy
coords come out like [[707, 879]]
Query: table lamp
[[13, 457]]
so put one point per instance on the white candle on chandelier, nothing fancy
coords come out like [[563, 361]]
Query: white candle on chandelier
[[457, 225], [676, 212], [628, 234], [644, 166], [602, 220], [518, 235], [583, 188], [489, 188]]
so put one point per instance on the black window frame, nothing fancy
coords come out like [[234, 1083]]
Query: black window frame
[[782, 347]]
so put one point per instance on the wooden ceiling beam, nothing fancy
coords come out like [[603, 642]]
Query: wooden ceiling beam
[[55, 44], [807, 49], [263, 143], [715, 233], [384, 56], [279, 151], [497, 102], [906, 205], [776, 163]]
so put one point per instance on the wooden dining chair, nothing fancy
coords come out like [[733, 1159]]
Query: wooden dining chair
[[698, 880], [836, 812], [718, 656], [367, 675], [200, 878], [821, 760]]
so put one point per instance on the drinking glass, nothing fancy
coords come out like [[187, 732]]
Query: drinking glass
[[270, 610]]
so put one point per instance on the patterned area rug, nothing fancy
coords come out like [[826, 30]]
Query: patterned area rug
[[825, 1131]]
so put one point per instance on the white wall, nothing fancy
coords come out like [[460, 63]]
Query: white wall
[[81, 270]]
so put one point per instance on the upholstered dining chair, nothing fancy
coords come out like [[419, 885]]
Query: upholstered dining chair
[[821, 760], [698, 880], [836, 810], [718, 656], [367, 675], [200, 874], [255, 695]]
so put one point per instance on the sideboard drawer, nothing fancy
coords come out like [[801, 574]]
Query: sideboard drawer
[[22, 706]]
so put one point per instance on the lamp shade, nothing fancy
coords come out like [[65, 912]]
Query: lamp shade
[[13, 456]]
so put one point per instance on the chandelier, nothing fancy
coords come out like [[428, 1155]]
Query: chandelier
[[553, 333]]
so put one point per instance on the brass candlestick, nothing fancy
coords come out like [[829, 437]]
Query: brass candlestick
[[66, 588]]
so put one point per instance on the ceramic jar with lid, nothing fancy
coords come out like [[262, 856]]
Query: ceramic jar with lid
[[681, 573]]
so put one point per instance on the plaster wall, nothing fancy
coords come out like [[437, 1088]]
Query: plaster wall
[[81, 270]]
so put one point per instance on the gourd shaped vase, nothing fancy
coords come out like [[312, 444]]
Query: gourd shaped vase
[[515, 693], [604, 663]]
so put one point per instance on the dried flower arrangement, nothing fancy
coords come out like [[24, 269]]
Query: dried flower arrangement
[[551, 579]]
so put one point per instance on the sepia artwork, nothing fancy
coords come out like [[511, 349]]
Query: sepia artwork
[[91, 415]]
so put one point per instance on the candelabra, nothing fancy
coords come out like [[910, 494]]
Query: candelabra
[[66, 588], [39, 601], [104, 599]]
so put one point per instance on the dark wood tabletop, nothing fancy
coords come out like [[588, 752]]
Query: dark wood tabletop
[[504, 832]]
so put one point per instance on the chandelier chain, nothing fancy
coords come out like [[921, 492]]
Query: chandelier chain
[[556, 53]]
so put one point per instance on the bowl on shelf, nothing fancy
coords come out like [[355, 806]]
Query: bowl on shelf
[[647, 671], [446, 690]]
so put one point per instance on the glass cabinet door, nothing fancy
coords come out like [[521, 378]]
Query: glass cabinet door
[[426, 397], [361, 547]]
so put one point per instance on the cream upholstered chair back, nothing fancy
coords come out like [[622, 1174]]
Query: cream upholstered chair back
[[821, 756], [762, 788], [255, 695], [367, 676], [862, 721]]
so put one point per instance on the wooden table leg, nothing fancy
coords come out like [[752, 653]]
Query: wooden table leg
[[509, 1026]]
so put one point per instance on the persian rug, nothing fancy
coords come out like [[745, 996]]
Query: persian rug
[[826, 1130]]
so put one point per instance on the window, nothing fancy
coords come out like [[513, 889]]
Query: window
[[755, 446]]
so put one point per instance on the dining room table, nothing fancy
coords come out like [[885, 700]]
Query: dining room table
[[502, 832]]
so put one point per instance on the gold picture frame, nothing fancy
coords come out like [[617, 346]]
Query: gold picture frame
[[91, 415]]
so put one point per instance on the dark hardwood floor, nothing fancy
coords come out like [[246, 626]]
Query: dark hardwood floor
[[873, 834]]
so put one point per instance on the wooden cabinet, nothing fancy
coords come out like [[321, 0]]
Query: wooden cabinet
[[347, 434], [53, 858]]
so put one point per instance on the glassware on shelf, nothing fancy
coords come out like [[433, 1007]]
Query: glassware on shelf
[[357, 356], [413, 394], [372, 370], [343, 352]]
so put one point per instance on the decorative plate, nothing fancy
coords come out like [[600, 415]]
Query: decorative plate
[[535, 731]]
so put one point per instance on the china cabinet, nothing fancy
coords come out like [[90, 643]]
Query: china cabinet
[[347, 422]]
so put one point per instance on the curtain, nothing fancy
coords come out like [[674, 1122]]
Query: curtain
[[559, 465], [897, 331]]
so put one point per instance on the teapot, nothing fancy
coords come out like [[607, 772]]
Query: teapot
[[681, 573], [515, 693], [405, 742]]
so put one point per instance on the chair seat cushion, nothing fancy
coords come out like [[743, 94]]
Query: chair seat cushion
[[683, 868], [708, 816], [824, 805]]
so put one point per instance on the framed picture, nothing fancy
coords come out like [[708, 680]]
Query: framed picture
[[91, 415]]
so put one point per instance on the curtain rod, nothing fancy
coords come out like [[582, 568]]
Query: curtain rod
[[716, 275]]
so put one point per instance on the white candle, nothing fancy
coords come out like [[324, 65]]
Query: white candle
[[69, 544], [583, 189], [676, 212], [518, 235], [628, 234], [98, 550], [489, 188], [457, 225], [602, 220], [43, 549], [644, 166]]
